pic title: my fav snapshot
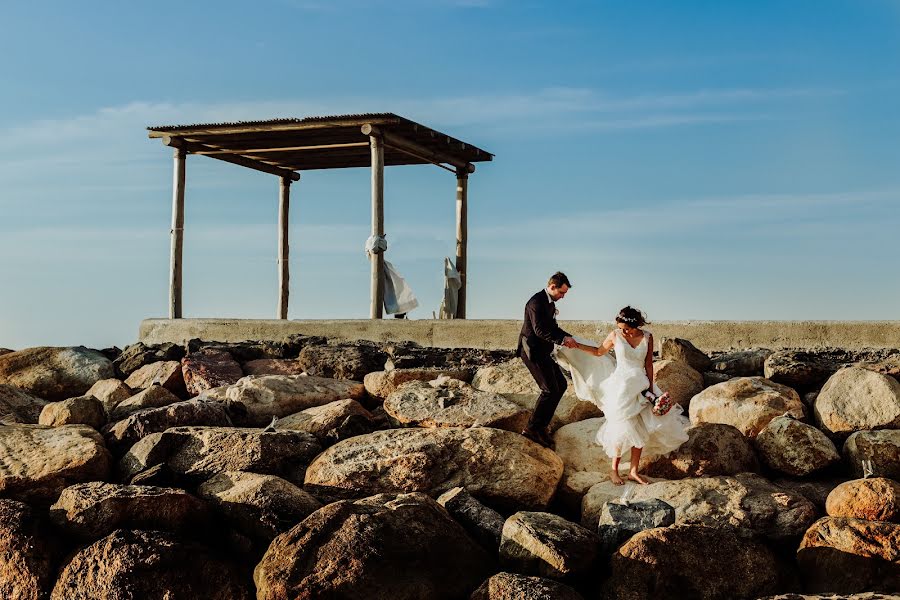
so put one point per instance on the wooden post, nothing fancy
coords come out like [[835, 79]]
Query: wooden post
[[284, 275], [377, 259], [177, 235], [462, 237]]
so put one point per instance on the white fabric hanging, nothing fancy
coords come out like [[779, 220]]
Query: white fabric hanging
[[398, 296], [452, 283], [376, 244]]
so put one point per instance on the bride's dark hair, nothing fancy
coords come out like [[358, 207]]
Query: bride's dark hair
[[631, 317]]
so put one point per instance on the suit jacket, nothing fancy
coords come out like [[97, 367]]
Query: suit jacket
[[539, 331]]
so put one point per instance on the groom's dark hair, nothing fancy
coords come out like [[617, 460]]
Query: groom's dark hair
[[558, 279]]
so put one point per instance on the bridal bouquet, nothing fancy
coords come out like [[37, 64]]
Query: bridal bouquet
[[662, 404]]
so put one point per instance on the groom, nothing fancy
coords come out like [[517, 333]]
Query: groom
[[539, 334]]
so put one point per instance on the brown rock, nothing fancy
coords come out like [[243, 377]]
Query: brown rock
[[387, 547], [273, 366], [676, 562], [499, 467], [745, 501], [510, 586], [110, 392], [679, 379], [381, 384], [37, 462], [540, 543], [879, 450], [202, 452], [843, 556], [84, 410], [711, 449], [327, 421], [259, 506], [341, 362], [685, 352], [875, 499], [585, 462], [856, 399], [814, 491], [54, 373], [18, 406], [147, 564], [453, 403], [748, 403], [166, 373], [27, 558], [208, 369], [742, 363], [795, 448], [96, 509], [154, 396], [120, 436], [799, 369], [137, 355]]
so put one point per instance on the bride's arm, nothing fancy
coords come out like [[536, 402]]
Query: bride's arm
[[648, 361], [605, 347]]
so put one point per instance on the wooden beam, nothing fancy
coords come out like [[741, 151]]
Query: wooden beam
[[177, 235], [419, 150], [258, 165], [237, 129], [462, 238], [283, 149], [284, 275], [377, 260]]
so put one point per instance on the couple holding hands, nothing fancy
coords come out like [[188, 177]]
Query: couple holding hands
[[638, 415]]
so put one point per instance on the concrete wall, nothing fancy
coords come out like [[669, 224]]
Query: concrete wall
[[503, 334]]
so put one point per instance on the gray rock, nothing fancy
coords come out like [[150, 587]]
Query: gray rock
[[120, 436], [55, 373], [684, 351], [539, 543], [618, 522], [482, 523], [743, 363], [341, 362], [799, 369], [18, 406], [795, 448], [331, 422], [137, 355], [874, 453]]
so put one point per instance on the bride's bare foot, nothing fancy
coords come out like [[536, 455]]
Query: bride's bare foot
[[614, 477], [633, 475]]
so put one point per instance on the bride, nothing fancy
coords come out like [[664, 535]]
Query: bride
[[624, 390]]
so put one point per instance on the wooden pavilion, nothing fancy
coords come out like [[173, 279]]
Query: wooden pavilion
[[285, 147]]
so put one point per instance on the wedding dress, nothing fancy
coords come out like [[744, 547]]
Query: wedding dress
[[616, 386]]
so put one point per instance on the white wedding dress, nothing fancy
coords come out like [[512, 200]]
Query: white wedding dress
[[616, 386]]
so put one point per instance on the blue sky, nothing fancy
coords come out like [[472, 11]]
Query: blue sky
[[702, 160]]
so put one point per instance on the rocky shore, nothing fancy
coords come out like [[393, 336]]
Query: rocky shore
[[309, 468]]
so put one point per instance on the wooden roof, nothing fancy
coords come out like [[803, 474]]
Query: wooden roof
[[282, 146]]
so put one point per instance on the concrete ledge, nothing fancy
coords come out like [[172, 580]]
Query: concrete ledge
[[503, 334]]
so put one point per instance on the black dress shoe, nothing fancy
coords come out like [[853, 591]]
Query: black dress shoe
[[535, 436]]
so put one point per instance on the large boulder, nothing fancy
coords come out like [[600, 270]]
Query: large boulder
[[513, 381], [259, 506], [84, 410], [795, 448], [37, 462], [453, 403], [27, 557], [499, 467], [484, 524], [167, 373], [201, 452], [816, 491], [94, 510], [137, 355], [55, 373], [110, 392], [155, 396], [273, 366], [381, 384], [511, 586], [540, 543], [387, 547], [692, 561], [742, 363], [147, 564], [748, 403], [855, 399], [209, 368], [874, 499], [841, 555], [799, 369], [746, 501], [331, 422], [679, 379], [585, 462], [18, 406], [342, 362], [120, 436], [874, 453], [685, 352], [620, 521], [711, 449], [254, 401]]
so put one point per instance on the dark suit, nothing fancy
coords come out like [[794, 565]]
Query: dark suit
[[539, 334]]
